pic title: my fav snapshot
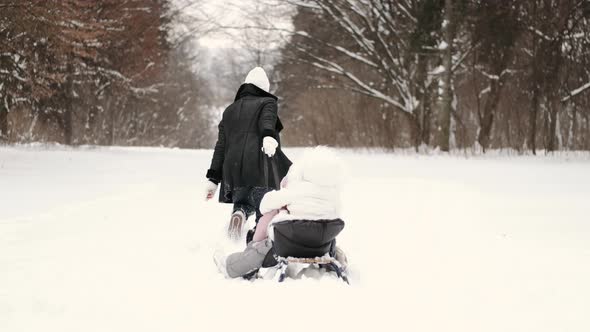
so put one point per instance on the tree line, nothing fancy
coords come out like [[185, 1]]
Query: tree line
[[106, 72], [438, 73]]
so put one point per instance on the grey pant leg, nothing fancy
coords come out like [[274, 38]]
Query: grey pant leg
[[241, 263]]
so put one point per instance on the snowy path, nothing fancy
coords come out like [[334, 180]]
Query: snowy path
[[120, 240]]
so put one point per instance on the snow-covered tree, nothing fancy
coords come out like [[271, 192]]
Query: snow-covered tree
[[96, 72], [388, 50], [483, 73]]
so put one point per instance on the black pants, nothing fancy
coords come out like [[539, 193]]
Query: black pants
[[248, 200]]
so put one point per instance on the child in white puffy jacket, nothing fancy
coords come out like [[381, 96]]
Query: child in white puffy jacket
[[310, 191]]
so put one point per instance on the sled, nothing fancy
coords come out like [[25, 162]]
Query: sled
[[309, 242]]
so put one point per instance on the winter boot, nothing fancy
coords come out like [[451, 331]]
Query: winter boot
[[236, 224], [340, 257], [220, 260], [250, 235]]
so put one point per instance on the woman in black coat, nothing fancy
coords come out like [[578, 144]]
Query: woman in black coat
[[248, 160]]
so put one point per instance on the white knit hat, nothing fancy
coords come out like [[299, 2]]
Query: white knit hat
[[257, 76]]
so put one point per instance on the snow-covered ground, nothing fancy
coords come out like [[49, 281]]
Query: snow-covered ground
[[117, 239]]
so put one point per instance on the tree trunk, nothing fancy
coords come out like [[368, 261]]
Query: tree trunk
[[111, 110], [444, 123], [426, 122], [3, 123], [508, 130], [533, 120], [573, 129], [424, 96], [489, 111], [67, 115], [67, 124], [552, 130], [416, 131], [553, 113], [545, 116]]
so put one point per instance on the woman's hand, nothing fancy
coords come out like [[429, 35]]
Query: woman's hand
[[210, 189], [269, 146]]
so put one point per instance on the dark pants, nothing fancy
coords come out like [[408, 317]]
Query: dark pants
[[248, 200]]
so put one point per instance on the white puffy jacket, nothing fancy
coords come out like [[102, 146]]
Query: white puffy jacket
[[311, 191]]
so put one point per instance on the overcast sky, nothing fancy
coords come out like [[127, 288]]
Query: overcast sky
[[226, 13], [222, 12]]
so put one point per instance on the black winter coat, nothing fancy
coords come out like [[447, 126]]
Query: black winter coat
[[238, 161]]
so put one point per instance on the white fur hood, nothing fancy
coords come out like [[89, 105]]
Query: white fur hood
[[311, 191]]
